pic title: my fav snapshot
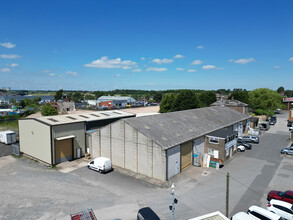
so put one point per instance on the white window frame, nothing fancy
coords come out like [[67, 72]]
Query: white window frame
[[215, 139]]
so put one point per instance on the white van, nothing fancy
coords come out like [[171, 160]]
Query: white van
[[261, 213], [101, 164], [243, 216]]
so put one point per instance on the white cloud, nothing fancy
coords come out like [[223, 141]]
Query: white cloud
[[137, 70], [180, 69], [231, 60], [191, 71], [142, 58], [4, 70], [8, 45], [156, 69], [199, 47], [12, 64], [209, 67], [244, 61], [9, 56], [196, 62], [178, 56], [51, 74], [276, 67], [117, 75], [104, 62], [46, 71], [71, 73], [291, 59], [160, 61]]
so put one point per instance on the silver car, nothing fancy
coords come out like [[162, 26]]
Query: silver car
[[249, 139], [288, 150]]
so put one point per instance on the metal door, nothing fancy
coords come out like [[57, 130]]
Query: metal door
[[185, 155], [63, 149]]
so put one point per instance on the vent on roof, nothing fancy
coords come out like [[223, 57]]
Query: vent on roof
[[52, 119], [95, 115], [83, 116], [105, 114], [71, 118]]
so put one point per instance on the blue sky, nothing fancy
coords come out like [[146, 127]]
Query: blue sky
[[146, 44]]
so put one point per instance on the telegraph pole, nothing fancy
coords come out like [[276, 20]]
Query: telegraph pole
[[227, 195]]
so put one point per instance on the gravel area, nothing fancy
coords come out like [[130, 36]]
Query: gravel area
[[5, 150]]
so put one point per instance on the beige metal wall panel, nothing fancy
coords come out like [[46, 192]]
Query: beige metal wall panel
[[76, 129], [96, 148], [117, 142], [130, 148], [34, 139], [142, 154], [150, 157], [106, 142], [159, 163]]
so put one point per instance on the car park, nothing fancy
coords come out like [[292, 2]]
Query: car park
[[244, 143], [240, 148], [281, 208], [286, 196], [250, 139], [287, 150], [261, 213], [100, 164], [147, 213]]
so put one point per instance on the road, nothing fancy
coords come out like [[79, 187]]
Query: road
[[30, 190]]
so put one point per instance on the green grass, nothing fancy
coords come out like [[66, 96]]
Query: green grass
[[10, 125]]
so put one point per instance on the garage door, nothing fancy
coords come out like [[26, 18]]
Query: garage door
[[63, 150], [185, 152]]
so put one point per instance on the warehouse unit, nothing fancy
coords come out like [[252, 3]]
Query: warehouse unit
[[161, 146], [55, 139]]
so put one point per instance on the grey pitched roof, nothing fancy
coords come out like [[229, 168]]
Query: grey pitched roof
[[171, 129], [229, 103], [223, 133]]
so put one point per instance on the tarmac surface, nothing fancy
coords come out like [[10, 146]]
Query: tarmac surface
[[31, 190]]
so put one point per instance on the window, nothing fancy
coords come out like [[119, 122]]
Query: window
[[214, 140], [227, 152], [258, 215]]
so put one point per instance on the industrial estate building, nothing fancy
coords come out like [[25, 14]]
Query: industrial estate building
[[55, 139], [161, 146], [118, 101], [233, 104]]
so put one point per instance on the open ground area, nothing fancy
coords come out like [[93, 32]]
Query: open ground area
[[31, 190]]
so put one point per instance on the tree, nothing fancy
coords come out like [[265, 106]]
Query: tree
[[89, 97], [240, 95], [280, 90], [77, 96], [48, 110], [207, 98], [158, 97], [167, 103], [288, 93], [265, 99], [186, 99], [58, 94]]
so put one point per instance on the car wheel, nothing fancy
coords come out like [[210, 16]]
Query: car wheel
[[100, 171], [88, 166], [286, 153], [238, 150]]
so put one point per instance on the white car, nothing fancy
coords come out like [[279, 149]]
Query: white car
[[240, 148], [261, 213], [291, 129], [100, 164], [281, 208]]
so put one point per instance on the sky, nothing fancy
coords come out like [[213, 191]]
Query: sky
[[146, 44]]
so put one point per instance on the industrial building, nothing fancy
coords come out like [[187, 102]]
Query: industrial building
[[161, 146], [233, 104], [118, 101], [55, 139]]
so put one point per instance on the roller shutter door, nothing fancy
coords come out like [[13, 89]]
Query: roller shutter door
[[63, 150], [185, 155]]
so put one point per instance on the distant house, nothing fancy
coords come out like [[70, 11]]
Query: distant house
[[118, 101], [233, 104], [63, 107]]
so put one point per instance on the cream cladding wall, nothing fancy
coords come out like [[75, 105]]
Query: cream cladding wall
[[130, 149], [34, 139]]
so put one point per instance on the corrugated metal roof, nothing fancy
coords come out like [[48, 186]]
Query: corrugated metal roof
[[171, 129], [229, 103], [72, 118], [108, 98]]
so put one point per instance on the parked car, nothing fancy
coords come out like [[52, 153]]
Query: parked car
[[240, 148], [245, 144], [291, 129], [261, 213], [289, 124], [250, 139], [281, 208], [273, 120], [147, 214], [286, 196], [242, 216], [288, 150], [100, 164]]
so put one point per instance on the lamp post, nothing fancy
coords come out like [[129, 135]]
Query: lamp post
[[173, 188]]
